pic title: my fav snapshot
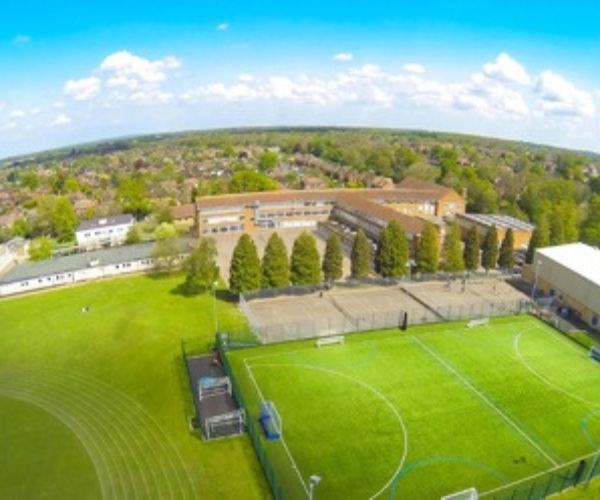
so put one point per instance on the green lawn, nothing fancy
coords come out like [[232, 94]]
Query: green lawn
[[428, 412], [96, 404]]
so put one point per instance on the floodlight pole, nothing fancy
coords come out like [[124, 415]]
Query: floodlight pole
[[214, 303], [535, 280], [312, 483]]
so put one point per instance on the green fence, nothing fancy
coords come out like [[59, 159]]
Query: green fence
[[538, 486], [252, 427]]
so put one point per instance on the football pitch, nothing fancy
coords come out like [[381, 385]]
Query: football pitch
[[427, 412]]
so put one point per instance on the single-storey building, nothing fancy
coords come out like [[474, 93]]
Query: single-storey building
[[80, 267], [571, 275], [104, 231]]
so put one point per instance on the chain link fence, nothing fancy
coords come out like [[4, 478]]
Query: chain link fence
[[344, 321], [574, 473]]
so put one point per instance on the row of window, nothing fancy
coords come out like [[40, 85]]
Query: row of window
[[224, 229]]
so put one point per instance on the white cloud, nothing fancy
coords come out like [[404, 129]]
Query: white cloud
[[558, 96], [9, 126], [245, 77], [21, 39], [343, 57], [34, 111], [507, 69], [222, 26], [61, 119], [414, 68], [125, 69], [17, 113], [83, 89]]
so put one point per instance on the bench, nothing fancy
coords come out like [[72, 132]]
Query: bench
[[336, 339]]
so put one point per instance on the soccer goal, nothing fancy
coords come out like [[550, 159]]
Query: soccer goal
[[478, 322], [333, 339], [270, 420], [227, 424], [213, 386], [470, 494]]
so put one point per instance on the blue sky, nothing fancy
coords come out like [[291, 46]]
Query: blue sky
[[80, 71]]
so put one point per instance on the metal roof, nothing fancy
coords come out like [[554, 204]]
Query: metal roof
[[579, 258], [78, 261], [113, 220], [503, 221]]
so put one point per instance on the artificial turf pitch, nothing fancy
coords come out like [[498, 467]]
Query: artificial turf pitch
[[428, 412]]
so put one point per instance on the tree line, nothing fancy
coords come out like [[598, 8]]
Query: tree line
[[389, 258]]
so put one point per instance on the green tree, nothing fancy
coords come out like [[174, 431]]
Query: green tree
[[246, 181], [275, 263], [471, 250], [557, 230], [41, 248], [132, 193], [201, 269], [428, 250], [590, 230], [305, 265], [165, 231], [489, 250], [64, 219], [244, 271], [267, 161], [361, 256], [540, 238], [166, 253], [391, 257], [452, 253], [506, 258], [333, 259], [133, 235]]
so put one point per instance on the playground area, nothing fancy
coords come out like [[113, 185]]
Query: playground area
[[345, 309]]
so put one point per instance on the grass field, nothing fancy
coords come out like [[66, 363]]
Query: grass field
[[428, 412], [96, 404]]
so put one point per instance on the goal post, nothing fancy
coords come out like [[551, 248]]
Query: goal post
[[468, 494], [478, 322]]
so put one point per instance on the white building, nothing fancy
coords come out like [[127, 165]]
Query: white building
[[104, 232], [571, 275], [80, 267]]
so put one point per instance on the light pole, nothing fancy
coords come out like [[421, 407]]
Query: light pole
[[312, 482], [214, 301], [535, 280]]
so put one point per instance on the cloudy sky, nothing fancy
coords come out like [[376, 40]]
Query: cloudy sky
[[73, 72]]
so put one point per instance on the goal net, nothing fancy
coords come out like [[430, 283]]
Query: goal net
[[478, 322], [227, 424], [470, 494], [213, 386]]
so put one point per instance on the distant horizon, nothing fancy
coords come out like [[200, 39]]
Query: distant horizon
[[284, 128], [74, 73]]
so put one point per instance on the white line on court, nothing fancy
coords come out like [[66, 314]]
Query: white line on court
[[484, 398], [282, 439], [369, 388], [549, 383]]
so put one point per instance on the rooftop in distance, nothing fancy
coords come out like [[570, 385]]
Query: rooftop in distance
[[504, 221]]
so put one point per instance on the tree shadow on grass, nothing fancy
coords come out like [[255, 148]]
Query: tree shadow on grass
[[221, 295]]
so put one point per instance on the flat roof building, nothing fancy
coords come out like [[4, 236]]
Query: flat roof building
[[522, 230], [409, 203], [571, 275]]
